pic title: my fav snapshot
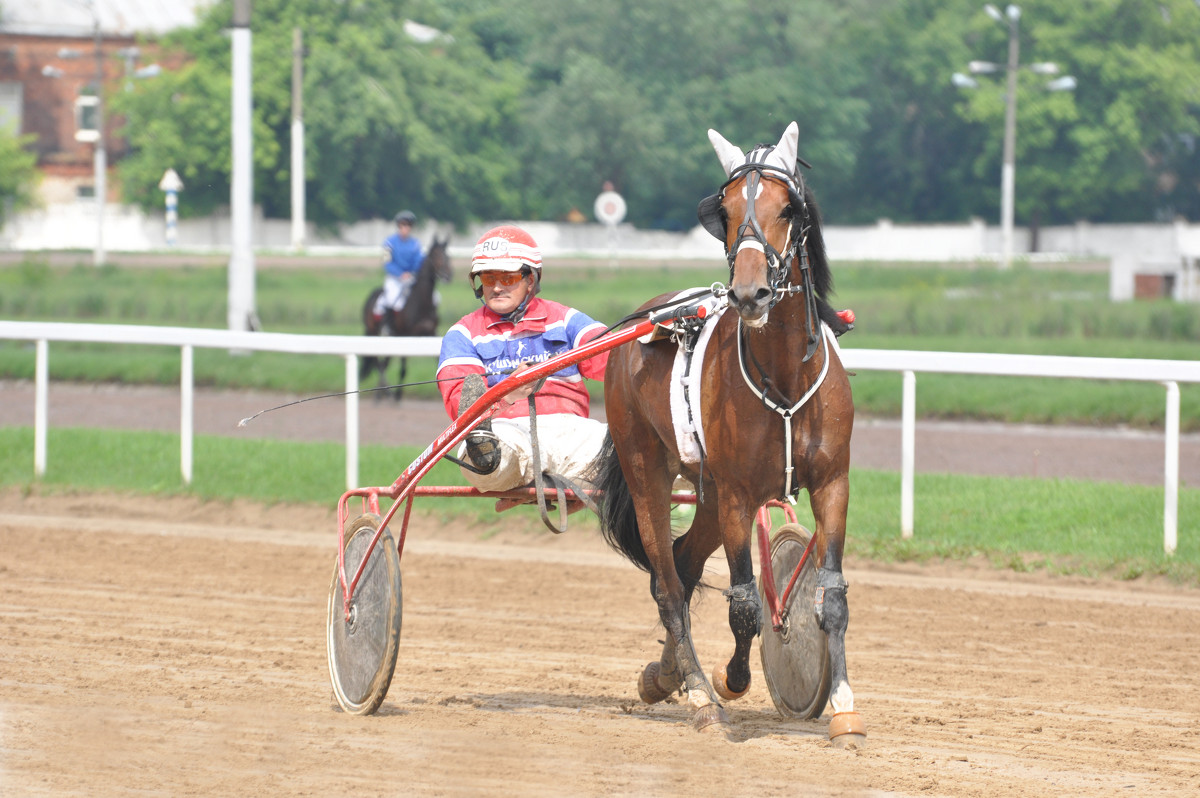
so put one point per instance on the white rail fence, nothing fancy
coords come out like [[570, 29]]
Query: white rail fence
[[1169, 373]]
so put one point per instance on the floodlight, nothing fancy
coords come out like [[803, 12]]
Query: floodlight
[[1065, 83]]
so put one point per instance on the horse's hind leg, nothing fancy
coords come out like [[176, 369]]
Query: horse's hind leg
[[678, 574], [833, 614], [400, 383], [661, 679]]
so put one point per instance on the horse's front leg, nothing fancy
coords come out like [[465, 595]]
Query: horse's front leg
[[732, 681], [745, 620], [829, 505]]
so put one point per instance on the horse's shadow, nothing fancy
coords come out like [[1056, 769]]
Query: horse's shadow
[[747, 724]]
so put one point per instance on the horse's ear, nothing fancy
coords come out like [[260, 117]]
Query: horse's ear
[[784, 154], [731, 157]]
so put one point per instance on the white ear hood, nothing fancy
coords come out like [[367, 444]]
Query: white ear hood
[[782, 157], [731, 157]]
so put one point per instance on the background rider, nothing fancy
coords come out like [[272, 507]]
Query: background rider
[[402, 258]]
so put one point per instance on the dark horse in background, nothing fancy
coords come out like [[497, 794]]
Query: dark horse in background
[[776, 424], [418, 317]]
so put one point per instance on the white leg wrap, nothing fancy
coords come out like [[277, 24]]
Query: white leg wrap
[[842, 699]]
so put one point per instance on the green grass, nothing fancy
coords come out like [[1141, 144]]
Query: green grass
[[922, 307], [1077, 527], [1061, 526]]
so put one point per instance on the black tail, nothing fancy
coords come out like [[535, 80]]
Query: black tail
[[618, 522]]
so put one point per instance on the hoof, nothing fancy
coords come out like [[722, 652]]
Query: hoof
[[649, 689], [847, 730], [712, 719], [720, 682]]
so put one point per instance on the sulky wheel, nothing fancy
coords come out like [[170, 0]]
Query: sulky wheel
[[795, 659], [363, 649]]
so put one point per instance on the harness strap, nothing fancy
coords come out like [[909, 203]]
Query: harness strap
[[689, 337], [786, 412]]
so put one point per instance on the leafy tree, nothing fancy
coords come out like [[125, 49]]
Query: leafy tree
[[18, 173], [1119, 148], [528, 106], [389, 122], [625, 90]]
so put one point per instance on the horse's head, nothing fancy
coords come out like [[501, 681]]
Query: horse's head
[[765, 198], [439, 259]]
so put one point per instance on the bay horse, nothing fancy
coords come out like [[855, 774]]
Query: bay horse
[[419, 316], [758, 442]]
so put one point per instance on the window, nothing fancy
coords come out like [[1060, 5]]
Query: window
[[87, 113]]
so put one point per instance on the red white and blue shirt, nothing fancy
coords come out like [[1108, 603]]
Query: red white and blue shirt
[[483, 342]]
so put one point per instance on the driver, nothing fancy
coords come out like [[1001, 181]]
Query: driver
[[514, 330]]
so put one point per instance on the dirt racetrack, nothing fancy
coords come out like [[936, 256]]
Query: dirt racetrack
[[175, 647]]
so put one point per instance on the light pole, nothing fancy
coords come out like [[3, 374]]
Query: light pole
[[100, 157], [1008, 172], [241, 314]]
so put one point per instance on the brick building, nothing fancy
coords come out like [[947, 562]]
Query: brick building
[[54, 54]]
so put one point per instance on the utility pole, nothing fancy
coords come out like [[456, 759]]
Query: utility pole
[[1008, 174], [99, 156], [241, 313], [297, 140]]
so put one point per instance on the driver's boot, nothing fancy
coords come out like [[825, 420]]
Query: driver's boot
[[483, 449]]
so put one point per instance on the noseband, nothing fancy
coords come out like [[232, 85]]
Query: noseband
[[779, 265]]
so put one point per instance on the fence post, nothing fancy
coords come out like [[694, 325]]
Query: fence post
[[1171, 475], [187, 411], [908, 445], [41, 392], [351, 421]]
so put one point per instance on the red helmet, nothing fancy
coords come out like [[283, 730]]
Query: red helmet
[[506, 248]]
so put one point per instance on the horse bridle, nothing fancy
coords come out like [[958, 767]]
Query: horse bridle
[[779, 265]]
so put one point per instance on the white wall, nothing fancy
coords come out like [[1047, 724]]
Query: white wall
[[1131, 248]]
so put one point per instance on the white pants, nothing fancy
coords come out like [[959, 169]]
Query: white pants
[[566, 442], [395, 293]]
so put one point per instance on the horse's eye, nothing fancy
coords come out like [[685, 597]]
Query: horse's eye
[[787, 213]]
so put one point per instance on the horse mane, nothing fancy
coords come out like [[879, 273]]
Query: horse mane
[[817, 257]]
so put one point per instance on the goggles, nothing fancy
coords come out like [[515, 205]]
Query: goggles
[[506, 279]]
